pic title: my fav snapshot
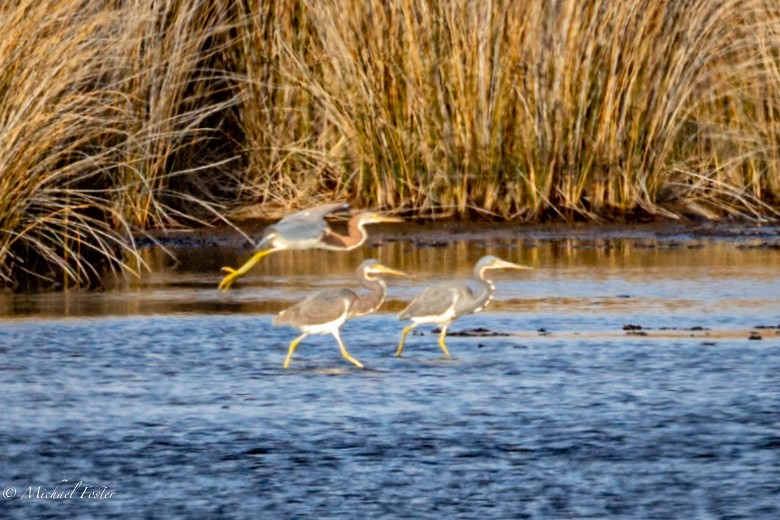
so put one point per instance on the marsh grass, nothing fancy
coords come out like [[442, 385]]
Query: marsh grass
[[56, 207], [102, 112], [524, 109], [117, 117]]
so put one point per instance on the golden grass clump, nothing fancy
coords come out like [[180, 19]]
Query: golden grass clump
[[57, 110], [516, 109], [121, 116], [102, 106], [179, 95]]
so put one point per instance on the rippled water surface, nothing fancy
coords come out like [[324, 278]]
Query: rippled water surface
[[172, 396]]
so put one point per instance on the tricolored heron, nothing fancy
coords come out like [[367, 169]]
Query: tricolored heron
[[444, 303], [326, 311], [308, 229]]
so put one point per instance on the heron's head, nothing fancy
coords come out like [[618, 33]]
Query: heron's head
[[373, 217], [370, 268], [493, 262]]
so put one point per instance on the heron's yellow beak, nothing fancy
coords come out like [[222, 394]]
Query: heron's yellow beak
[[385, 218], [383, 269], [509, 265]]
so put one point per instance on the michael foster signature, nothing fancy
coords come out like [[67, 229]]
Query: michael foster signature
[[64, 490]]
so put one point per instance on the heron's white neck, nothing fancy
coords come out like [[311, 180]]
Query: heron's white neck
[[356, 232], [356, 235], [487, 288], [370, 302]]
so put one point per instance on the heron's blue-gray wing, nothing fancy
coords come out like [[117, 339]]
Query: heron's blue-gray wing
[[318, 309], [307, 227], [435, 301]]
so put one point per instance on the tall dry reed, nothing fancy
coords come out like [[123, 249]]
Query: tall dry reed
[[56, 207], [517, 109], [179, 94], [104, 118]]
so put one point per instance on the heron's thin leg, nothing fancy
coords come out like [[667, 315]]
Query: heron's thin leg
[[406, 331], [228, 280], [290, 351], [441, 341], [344, 351]]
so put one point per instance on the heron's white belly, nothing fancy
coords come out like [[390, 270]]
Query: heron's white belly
[[445, 317], [325, 328], [309, 243]]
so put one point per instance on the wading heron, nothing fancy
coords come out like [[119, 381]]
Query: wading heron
[[444, 303], [308, 229], [326, 311]]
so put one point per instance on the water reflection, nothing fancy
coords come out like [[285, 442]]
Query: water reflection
[[623, 274]]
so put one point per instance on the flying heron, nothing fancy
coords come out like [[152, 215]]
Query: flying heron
[[308, 229], [326, 311], [444, 303]]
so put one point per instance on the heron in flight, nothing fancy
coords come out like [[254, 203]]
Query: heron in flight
[[308, 229], [326, 311], [444, 303]]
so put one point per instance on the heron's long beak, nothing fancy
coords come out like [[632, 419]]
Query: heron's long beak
[[228, 280], [510, 265], [384, 218], [388, 270]]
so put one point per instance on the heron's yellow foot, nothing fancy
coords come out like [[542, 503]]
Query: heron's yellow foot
[[442, 344], [290, 351], [228, 280], [403, 339], [352, 360], [344, 352], [241, 271]]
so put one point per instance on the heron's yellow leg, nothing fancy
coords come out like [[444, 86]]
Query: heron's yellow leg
[[403, 339], [441, 342], [228, 280], [345, 353], [290, 351]]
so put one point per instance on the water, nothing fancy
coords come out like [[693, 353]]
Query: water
[[172, 396]]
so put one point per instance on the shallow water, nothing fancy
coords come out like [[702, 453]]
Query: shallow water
[[172, 396]]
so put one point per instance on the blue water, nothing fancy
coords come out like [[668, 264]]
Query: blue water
[[167, 399], [192, 416]]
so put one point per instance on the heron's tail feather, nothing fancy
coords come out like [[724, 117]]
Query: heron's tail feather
[[265, 242], [281, 319]]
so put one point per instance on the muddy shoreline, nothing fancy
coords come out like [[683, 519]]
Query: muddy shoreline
[[442, 234]]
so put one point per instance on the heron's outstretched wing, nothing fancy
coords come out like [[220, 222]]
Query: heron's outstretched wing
[[315, 213], [436, 300], [305, 226], [318, 309]]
